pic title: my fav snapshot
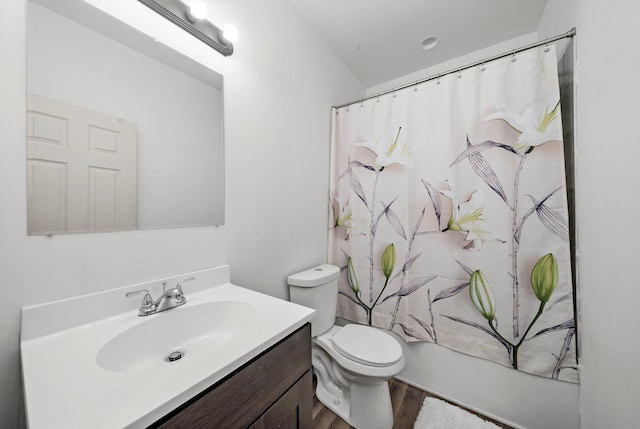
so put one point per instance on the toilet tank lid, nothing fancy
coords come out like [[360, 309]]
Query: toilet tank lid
[[314, 276]]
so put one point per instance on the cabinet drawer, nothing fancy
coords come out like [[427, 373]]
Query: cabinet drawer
[[243, 396]]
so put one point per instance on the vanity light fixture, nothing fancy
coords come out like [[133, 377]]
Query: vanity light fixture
[[191, 17]]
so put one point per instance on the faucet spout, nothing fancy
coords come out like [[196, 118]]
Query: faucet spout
[[169, 299]]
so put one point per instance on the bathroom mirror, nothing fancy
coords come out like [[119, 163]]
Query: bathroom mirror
[[123, 132]]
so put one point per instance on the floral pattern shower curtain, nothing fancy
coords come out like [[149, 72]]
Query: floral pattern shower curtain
[[449, 214]]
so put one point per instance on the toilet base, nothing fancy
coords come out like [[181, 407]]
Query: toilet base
[[364, 405], [339, 406], [372, 398]]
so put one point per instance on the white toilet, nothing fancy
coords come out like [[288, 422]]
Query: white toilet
[[352, 363]]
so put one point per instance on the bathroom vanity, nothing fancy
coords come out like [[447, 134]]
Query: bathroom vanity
[[245, 359]]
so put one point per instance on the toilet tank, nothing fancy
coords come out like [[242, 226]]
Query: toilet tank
[[317, 288]]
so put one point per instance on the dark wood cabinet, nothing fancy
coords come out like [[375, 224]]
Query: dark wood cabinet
[[274, 390], [290, 411]]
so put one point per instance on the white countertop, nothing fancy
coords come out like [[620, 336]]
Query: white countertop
[[66, 388]]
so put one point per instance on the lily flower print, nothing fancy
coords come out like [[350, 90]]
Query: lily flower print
[[482, 295], [344, 217], [538, 124], [468, 218], [388, 150]]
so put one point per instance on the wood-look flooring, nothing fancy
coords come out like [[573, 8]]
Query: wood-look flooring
[[406, 402]]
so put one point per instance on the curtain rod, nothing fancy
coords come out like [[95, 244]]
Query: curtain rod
[[569, 34]]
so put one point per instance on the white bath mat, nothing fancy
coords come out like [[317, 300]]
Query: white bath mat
[[437, 414]]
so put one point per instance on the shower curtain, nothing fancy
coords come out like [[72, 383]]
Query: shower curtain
[[449, 214]]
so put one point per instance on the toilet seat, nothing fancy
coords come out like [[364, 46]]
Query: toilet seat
[[325, 342], [367, 345]]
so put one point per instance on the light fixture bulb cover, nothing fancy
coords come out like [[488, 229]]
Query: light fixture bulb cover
[[230, 32], [197, 10]]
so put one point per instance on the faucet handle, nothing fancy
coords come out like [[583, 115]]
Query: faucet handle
[[179, 285], [147, 305], [146, 300]]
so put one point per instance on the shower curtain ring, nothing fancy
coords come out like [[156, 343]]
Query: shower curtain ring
[[438, 81], [546, 45], [482, 67], [513, 56]]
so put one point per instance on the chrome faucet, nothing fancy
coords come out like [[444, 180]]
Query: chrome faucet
[[171, 298]]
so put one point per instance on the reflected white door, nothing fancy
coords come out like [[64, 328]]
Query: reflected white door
[[81, 168]]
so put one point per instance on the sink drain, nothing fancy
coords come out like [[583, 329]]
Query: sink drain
[[174, 356]]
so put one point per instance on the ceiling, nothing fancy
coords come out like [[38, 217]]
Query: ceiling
[[380, 40]]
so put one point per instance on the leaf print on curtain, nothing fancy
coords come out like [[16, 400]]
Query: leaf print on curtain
[[449, 215]]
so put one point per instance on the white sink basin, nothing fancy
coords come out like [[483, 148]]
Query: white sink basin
[[89, 363], [201, 328]]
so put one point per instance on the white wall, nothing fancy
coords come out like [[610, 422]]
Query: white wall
[[520, 399], [278, 156], [278, 93], [607, 151]]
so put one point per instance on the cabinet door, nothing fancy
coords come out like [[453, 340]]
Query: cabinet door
[[292, 410]]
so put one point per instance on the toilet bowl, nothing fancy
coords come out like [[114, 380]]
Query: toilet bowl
[[352, 363]]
